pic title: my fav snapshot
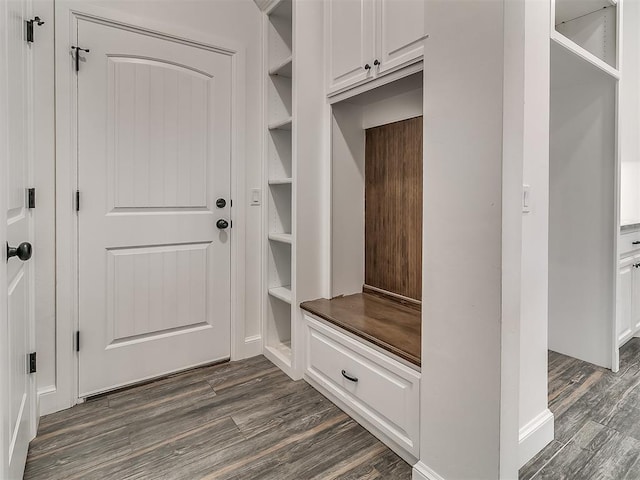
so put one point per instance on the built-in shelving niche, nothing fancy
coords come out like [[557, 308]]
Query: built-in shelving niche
[[280, 184], [394, 102]]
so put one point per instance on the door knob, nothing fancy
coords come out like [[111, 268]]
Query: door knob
[[221, 203], [222, 224], [22, 251]]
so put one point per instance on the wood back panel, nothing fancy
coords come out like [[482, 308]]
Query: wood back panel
[[393, 208]]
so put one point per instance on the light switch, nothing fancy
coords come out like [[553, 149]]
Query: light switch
[[255, 197], [526, 198]]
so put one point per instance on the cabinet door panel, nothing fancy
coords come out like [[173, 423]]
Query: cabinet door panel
[[350, 34], [401, 31], [625, 301]]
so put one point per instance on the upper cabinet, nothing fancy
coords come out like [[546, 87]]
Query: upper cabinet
[[369, 38], [401, 29]]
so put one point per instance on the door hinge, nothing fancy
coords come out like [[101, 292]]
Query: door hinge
[[77, 200], [29, 27], [78, 341], [31, 198], [32, 362]]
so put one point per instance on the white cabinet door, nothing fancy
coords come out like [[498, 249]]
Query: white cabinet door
[[625, 300], [350, 37], [400, 32]]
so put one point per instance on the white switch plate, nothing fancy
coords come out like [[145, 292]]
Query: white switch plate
[[526, 198], [256, 196]]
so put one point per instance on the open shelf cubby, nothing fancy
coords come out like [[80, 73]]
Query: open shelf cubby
[[279, 154], [589, 28], [279, 34], [280, 208], [279, 95], [278, 339]]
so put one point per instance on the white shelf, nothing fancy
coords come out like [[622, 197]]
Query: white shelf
[[280, 181], [567, 10], [281, 237], [284, 124], [282, 69], [584, 55], [281, 293]]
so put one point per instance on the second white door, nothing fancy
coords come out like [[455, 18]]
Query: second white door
[[154, 153]]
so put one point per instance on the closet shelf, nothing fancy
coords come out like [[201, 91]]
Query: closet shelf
[[281, 237], [281, 293], [283, 69], [584, 55], [284, 124], [280, 181], [567, 11]]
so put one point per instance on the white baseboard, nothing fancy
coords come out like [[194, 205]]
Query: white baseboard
[[423, 472], [252, 346], [535, 435], [49, 401]]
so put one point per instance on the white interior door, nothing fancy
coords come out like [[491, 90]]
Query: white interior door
[[154, 131], [17, 397]]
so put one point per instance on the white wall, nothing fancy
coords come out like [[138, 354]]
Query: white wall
[[536, 422], [630, 116], [462, 242], [238, 21]]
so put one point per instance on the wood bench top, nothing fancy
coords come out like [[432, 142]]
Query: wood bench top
[[385, 323]]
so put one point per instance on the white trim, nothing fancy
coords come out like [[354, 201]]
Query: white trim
[[423, 472], [65, 393], [535, 435], [47, 401], [252, 346]]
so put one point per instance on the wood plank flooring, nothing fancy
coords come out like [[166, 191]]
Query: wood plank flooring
[[597, 421], [240, 420]]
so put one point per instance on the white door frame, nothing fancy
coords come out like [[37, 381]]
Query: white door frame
[[67, 322]]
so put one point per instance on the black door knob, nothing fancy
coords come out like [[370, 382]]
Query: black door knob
[[22, 251], [221, 203], [222, 224]]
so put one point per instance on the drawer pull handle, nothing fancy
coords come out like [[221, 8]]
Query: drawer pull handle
[[637, 242], [349, 377]]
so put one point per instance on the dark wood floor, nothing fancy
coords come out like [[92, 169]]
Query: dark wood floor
[[597, 421], [247, 420], [241, 420]]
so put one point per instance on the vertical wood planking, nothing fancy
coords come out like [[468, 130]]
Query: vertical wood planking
[[158, 288], [162, 126], [393, 208]]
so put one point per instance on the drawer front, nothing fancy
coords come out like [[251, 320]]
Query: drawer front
[[386, 392], [628, 242]]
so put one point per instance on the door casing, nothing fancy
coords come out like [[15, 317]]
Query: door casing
[[67, 322]]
